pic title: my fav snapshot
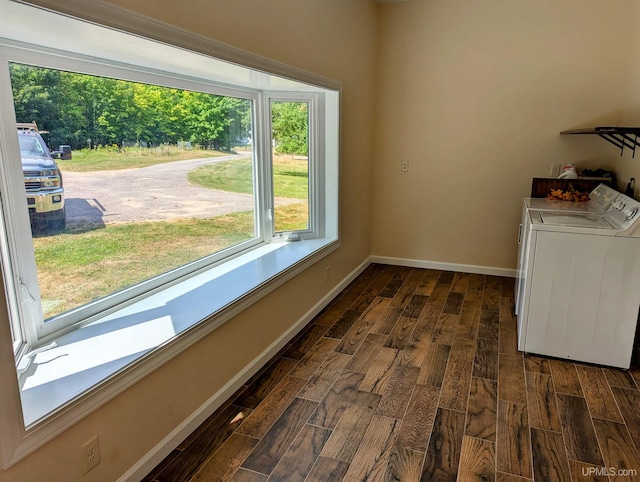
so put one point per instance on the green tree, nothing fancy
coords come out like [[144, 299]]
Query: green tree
[[290, 127], [86, 111]]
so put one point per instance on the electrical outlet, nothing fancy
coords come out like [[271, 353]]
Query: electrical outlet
[[327, 273], [404, 166], [90, 454]]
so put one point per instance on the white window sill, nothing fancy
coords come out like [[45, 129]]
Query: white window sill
[[84, 368]]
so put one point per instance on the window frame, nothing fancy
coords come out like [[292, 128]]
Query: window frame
[[289, 260], [35, 331], [316, 122]]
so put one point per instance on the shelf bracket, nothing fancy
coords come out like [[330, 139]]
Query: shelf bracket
[[620, 137]]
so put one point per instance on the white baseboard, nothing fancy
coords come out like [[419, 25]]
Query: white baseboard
[[464, 268], [182, 431]]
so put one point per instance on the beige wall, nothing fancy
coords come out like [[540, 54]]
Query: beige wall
[[333, 38], [473, 94]]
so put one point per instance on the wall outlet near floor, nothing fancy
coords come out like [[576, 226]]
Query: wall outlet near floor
[[404, 166], [90, 454]]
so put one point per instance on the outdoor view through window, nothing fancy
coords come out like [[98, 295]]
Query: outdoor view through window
[[146, 178]]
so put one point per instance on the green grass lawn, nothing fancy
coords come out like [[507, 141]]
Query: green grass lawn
[[84, 263], [108, 158], [77, 267], [290, 177]]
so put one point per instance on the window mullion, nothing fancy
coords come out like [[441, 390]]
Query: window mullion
[[263, 146]]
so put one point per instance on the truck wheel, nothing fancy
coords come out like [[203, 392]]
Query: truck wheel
[[56, 222]]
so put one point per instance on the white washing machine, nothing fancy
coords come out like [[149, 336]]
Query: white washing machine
[[600, 199], [580, 283]]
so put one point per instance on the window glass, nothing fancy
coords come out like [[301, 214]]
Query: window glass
[[290, 144], [137, 180]]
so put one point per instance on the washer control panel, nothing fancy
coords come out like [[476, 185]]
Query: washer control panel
[[624, 212]]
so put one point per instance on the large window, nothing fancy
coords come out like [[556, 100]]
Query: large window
[[154, 183], [132, 175]]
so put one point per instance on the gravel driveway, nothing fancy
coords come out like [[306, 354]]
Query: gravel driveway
[[149, 193]]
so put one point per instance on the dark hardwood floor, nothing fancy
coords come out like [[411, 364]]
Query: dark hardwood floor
[[414, 374]]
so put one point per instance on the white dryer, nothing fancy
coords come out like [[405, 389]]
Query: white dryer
[[580, 287]]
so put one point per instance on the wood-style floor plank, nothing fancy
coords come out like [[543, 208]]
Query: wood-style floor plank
[[386, 320], [513, 441], [443, 454], [401, 333], [324, 377], [482, 410], [260, 387], [206, 440], [327, 469], [620, 378], [361, 360], [415, 306], [341, 395], [489, 324], [343, 324], [346, 437], [434, 365], [404, 464], [537, 364], [397, 392], [314, 358], [477, 460], [417, 424], [371, 459], [470, 314], [565, 378], [262, 418], [304, 341], [380, 371], [414, 374], [457, 377], [453, 303], [445, 330], [629, 402], [485, 364], [491, 299], [511, 382], [460, 282], [428, 282], [543, 411], [270, 449], [227, 459], [598, 393], [297, 461], [618, 449], [549, 457], [577, 427]]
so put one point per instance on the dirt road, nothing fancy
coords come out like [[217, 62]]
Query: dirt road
[[149, 193]]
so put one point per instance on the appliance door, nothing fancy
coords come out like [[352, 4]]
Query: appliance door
[[584, 297]]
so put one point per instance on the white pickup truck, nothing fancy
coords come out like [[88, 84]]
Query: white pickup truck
[[42, 180]]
